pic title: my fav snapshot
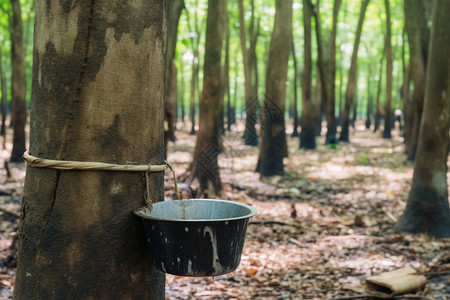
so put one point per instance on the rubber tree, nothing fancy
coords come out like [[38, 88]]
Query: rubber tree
[[416, 27], [389, 61], [273, 142], [330, 109], [170, 102], [295, 89], [250, 63], [308, 133], [427, 210], [2, 103], [205, 166], [17, 82], [195, 43], [351, 82], [97, 96], [322, 75]]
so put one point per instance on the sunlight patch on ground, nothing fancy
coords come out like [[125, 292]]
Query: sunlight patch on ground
[[179, 157]]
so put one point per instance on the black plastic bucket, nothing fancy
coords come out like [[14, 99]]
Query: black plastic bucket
[[196, 237]]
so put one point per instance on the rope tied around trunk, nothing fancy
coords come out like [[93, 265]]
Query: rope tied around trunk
[[36, 162]]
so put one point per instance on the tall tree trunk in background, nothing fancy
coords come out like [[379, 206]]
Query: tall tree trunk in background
[[317, 105], [225, 87], [181, 97], [27, 37], [427, 210], [351, 83], [341, 88], [97, 96], [253, 62], [195, 41], [170, 90], [389, 59], [308, 133], [296, 78], [407, 103], [378, 107], [369, 99], [324, 88], [330, 110], [205, 166], [418, 37], [194, 91], [227, 70], [232, 110], [354, 110], [272, 147], [251, 105], [3, 103], [18, 82]]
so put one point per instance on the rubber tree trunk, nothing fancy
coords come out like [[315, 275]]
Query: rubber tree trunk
[[225, 78], [427, 210], [205, 165], [273, 145], [405, 94], [18, 82], [308, 133], [378, 108], [389, 61], [330, 110], [416, 26], [2, 103], [351, 83], [295, 87], [194, 92], [97, 96], [227, 73], [323, 75], [170, 102], [195, 40], [251, 104], [369, 108]]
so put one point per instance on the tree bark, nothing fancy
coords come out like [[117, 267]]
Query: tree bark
[[308, 133], [195, 68], [205, 166], [295, 100], [225, 84], [251, 105], [274, 135], [3, 103], [324, 89], [330, 110], [227, 71], [418, 38], [18, 82], [97, 96], [389, 59], [407, 103], [378, 107], [427, 210], [369, 99], [194, 91], [180, 97], [351, 83], [170, 90]]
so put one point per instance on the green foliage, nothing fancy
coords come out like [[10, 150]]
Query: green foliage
[[363, 158], [5, 41], [191, 36]]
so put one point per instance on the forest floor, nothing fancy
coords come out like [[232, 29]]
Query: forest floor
[[320, 231]]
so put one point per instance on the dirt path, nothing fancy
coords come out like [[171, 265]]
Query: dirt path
[[320, 230], [323, 228]]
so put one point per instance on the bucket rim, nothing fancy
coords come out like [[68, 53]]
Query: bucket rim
[[140, 212]]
